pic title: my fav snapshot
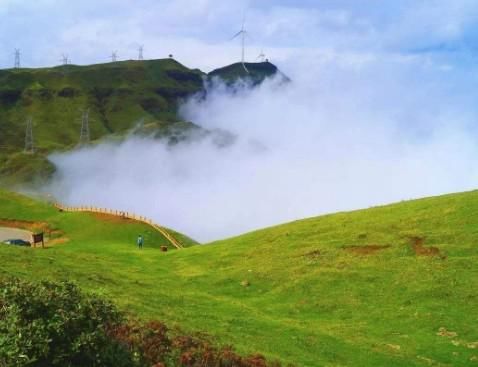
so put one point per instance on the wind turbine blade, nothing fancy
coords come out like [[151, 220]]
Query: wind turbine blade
[[237, 34], [244, 19], [244, 66]]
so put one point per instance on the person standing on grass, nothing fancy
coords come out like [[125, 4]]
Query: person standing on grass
[[140, 241]]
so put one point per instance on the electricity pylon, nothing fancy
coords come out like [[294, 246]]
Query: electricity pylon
[[17, 59], [29, 137], [140, 52], [64, 59], [85, 128]]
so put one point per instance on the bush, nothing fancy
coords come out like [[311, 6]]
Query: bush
[[50, 324], [54, 324]]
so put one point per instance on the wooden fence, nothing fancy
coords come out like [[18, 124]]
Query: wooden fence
[[126, 215]]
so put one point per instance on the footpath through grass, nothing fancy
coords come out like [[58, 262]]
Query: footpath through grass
[[388, 286]]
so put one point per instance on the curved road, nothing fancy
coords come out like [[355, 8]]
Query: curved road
[[14, 233]]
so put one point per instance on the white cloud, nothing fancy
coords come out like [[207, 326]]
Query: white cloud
[[343, 138]]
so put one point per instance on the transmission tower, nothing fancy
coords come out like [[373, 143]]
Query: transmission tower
[[17, 58], [114, 56], [29, 137], [140, 52], [85, 128], [64, 59]]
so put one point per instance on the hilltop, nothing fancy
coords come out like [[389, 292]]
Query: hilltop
[[387, 286], [122, 97], [254, 72]]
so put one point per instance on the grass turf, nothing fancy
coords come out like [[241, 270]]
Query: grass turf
[[385, 286]]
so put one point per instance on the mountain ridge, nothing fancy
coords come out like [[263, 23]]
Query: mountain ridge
[[120, 96]]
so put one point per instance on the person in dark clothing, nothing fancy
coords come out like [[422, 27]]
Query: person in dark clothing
[[140, 241]]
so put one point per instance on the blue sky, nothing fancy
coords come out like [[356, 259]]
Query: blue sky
[[197, 32]]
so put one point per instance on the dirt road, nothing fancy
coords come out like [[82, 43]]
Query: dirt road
[[14, 233]]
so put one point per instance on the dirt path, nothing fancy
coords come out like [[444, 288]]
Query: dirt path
[[14, 233]]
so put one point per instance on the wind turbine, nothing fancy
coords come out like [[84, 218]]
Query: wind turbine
[[242, 33], [114, 56], [261, 56]]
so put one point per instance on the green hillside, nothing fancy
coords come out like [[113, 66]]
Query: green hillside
[[126, 96], [388, 286], [120, 96]]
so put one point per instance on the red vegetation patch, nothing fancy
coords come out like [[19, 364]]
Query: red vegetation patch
[[366, 249], [157, 346]]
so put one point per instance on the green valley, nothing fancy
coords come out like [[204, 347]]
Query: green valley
[[387, 286]]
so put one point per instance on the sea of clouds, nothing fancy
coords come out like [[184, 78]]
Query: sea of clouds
[[346, 133]]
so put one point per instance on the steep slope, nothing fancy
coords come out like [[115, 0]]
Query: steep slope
[[387, 286], [119, 96]]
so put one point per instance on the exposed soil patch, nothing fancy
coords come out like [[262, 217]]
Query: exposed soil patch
[[446, 333], [109, 218], [365, 249], [22, 224], [313, 254], [417, 244]]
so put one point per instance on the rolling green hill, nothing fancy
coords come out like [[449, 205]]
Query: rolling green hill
[[388, 286], [120, 96], [141, 96]]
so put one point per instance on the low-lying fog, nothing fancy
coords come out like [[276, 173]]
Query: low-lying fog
[[342, 135]]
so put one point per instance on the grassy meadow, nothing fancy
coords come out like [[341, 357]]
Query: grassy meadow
[[388, 286]]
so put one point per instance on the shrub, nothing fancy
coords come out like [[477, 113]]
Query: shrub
[[55, 324], [50, 324]]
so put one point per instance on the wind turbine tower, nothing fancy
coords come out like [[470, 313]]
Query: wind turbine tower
[[242, 33], [114, 56], [140, 52], [85, 128], [17, 58], [29, 137]]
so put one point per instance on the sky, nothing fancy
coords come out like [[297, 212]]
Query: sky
[[198, 32], [381, 108]]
